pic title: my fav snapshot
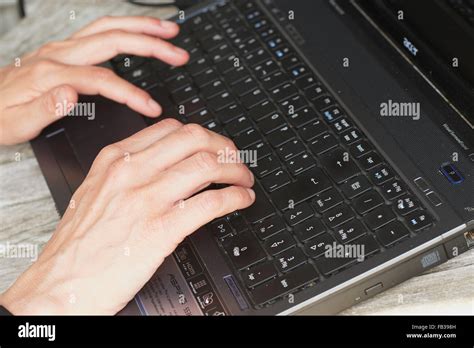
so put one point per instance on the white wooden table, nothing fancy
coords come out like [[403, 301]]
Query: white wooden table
[[28, 215]]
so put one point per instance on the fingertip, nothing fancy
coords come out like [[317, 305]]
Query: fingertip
[[154, 107], [251, 194]]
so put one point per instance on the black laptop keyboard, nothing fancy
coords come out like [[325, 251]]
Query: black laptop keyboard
[[319, 179]]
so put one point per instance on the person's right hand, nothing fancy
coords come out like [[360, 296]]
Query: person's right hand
[[141, 198], [57, 72]]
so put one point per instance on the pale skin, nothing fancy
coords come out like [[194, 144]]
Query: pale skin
[[142, 196]]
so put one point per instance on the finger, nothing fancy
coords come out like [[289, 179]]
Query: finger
[[181, 144], [27, 120], [97, 80], [134, 143], [134, 24], [101, 47], [183, 219], [196, 173]]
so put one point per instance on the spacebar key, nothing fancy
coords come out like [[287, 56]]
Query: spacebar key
[[261, 208], [280, 286]]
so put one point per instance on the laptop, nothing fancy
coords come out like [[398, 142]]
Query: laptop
[[360, 115]]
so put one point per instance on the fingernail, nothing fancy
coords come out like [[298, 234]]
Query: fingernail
[[167, 24], [251, 193], [154, 105], [179, 50], [252, 178]]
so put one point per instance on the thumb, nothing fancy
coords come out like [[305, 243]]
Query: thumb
[[27, 120]]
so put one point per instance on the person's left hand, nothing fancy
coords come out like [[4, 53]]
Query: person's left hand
[[57, 72]]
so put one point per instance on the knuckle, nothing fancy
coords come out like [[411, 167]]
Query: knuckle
[[49, 103], [206, 162], [110, 151], [42, 67], [212, 201], [102, 74], [170, 123], [238, 196], [196, 132]]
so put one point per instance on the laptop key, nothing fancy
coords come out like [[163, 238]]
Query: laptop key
[[213, 89], [327, 200], [318, 245], [351, 136], [379, 217], [298, 214], [259, 274], [282, 285], [367, 244], [304, 82], [206, 77], [300, 163], [360, 148], [418, 220], [392, 233], [271, 123], [380, 174], [293, 104], [238, 126], [275, 180], [260, 209], [350, 231], [339, 165], [251, 99], [393, 189], [229, 113], [368, 201], [281, 136], [220, 101], [247, 138], [312, 130], [221, 228], [277, 79], [331, 265], [306, 186], [244, 250], [262, 110], [370, 160], [405, 205], [262, 150], [356, 186], [302, 117], [338, 215], [290, 259], [282, 92], [309, 229], [244, 87], [323, 143], [256, 57], [266, 166], [278, 243], [290, 149], [269, 227]]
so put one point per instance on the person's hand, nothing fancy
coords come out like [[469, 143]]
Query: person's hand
[[33, 87], [141, 198]]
